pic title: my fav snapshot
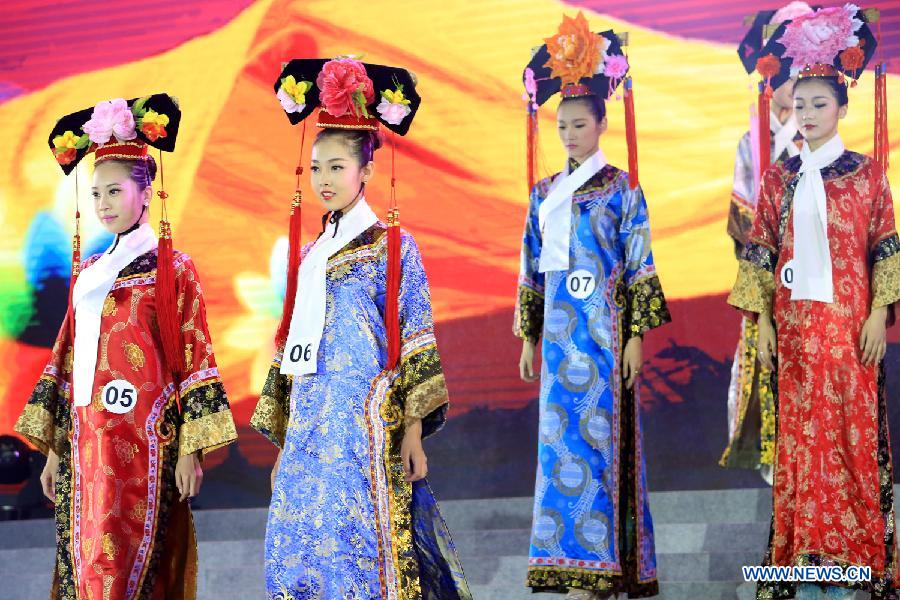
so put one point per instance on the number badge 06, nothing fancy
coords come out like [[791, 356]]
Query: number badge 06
[[119, 396]]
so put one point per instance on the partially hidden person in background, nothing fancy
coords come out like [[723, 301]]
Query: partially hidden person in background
[[751, 411]]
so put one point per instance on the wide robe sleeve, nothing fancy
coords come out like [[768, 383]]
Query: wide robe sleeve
[[46, 418], [646, 306], [529, 317], [270, 417], [742, 207], [420, 387], [754, 289], [884, 245], [206, 420]]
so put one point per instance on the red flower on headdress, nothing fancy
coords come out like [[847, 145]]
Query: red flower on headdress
[[152, 131], [345, 88], [852, 58], [768, 66], [66, 156]]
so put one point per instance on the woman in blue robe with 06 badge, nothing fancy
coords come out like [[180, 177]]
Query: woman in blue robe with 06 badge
[[357, 381]]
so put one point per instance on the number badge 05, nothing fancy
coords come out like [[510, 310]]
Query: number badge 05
[[119, 396]]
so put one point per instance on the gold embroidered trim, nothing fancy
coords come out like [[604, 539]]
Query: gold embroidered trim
[[886, 281], [38, 426], [754, 289], [206, 433]]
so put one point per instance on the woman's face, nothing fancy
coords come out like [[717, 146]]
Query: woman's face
[[817, 112], [336, 175], [579, 130], [117, 200]]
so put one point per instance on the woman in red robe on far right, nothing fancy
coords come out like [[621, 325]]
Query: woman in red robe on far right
[[822, 271]]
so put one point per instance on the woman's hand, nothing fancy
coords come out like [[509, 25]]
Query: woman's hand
[[767, 343], [188, 476], [873, 339], [526, 362], [49, 475], [275, 468], [415, 463], [632, 358]]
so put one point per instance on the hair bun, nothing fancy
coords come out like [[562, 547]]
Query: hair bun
[[151, 168], [377, 138]]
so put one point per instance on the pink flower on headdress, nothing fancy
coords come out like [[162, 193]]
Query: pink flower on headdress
[[819, 37], [345, 88], [111, 117], [530, 88], [615, 66]]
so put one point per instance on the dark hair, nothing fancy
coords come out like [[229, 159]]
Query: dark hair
[[594, 103], [838, 89], [142, 172], [362, 143]]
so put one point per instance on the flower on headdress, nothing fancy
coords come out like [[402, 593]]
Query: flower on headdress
[[817, 38], [67, 145], [615, 66], [768, 66], [65, 156], [394, 106], [292, 94], [345, 88], [575, 52], [852, 58], [530, 89], [153, 125], [110, 117]]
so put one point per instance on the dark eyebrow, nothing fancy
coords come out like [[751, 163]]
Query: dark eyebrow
[[331, 160]]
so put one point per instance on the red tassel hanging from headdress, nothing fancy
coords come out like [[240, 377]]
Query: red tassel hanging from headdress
[[882, 140], [631, 135], [763, 110], [531, 144], [392, 296], [166, 291], [294, 248], [76, 262]]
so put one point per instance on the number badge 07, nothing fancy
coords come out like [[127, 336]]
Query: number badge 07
[[119, 396], [581, 284]]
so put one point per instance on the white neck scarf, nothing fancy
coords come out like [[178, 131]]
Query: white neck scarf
[[555, 213], [308, 321], [812, 254], [784, 136], [91, 289]]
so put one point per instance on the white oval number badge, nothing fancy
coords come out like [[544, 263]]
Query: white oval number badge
[[788, 274], [119, 396], [581, 284]]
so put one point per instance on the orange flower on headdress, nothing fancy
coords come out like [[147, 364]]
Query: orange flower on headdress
[[768, 66], [852, 58], [574, 51], [153, 125]]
